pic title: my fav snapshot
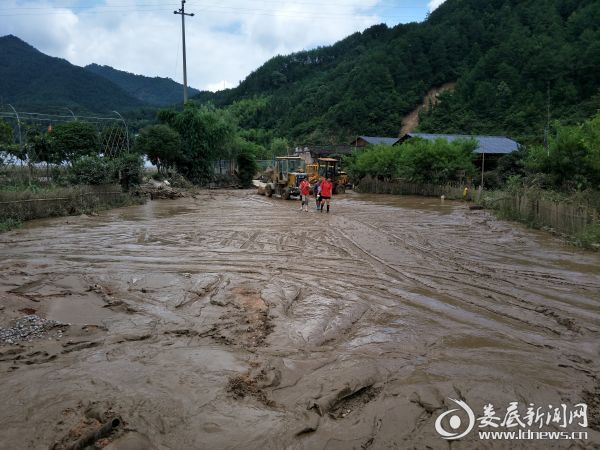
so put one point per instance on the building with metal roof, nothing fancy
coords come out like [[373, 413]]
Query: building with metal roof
[[490, 145], [363, 141]]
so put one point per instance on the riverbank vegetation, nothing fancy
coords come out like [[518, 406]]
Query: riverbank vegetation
[[71, 168], [556, 186], [417, 161], [191, 140]]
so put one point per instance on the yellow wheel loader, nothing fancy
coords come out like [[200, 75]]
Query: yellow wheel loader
[[328, 168], [284, 179]]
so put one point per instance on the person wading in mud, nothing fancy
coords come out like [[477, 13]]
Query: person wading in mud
[[326, 192], [304, 193]]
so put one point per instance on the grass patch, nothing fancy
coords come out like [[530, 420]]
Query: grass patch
[[573, 216], [589, 238], [37, 203], [9, 224]]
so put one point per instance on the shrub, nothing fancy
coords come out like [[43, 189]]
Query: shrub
[[90, 170], [128, 169], [8, 224], [247, 167], [417, 160], [572, 160], [73, 140], [589, 238], [437, 162], [161, 144], [206, 134]]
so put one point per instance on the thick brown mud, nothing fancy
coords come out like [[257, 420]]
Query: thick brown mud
[[232, 320]]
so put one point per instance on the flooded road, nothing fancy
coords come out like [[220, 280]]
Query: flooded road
[[237, 321]]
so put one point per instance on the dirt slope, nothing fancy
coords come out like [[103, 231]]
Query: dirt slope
[[411, 121]]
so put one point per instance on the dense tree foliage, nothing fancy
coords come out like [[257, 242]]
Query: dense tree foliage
[[40, 148], [246, 161], [128, 169], [247, 113], [506, 55], [278, 147], [207, 134], [90, 169], [125, 169], [572, 159], [6, 140], [80, 147], [151, 90], [416, 160], [6, 133], [529, 56], [73, 140], [34, 81], [161, 144], [436, 162], [193, 139], [511, 59]]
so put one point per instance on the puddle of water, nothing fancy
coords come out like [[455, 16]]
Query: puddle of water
[[404, 201], [152, 209], [79, 309]]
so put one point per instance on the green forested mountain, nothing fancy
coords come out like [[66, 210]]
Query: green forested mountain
[[540, 54], [155, 91], [33, 81], [510, 59]]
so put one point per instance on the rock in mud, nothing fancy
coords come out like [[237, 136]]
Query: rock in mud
[[29, 328]]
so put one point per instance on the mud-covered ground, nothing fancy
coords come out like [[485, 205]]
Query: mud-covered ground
[[232, 320]]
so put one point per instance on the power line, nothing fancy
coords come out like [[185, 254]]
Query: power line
[[163, 4], [214, 9]]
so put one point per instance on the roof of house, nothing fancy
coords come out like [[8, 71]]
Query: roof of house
[[487, 144], [325, 150], [376, 140]]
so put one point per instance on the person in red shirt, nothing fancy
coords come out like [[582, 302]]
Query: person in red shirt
[[304, 193], [326, 193]]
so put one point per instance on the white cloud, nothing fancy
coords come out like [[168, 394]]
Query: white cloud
[[225, 41], [219, 85], [433, 4]]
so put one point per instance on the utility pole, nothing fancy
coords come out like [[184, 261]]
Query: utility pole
[[18, 126], [182, 12], [547, 129], [482, 167]]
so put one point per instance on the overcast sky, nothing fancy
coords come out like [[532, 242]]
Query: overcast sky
[[225, 40]]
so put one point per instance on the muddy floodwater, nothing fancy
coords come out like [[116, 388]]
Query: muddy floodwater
[[235, 321]]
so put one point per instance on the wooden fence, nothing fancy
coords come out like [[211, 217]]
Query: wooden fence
[[562, 216], [529, 207], [62, 202], [399, 187]]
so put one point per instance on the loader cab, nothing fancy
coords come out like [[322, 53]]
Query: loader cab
[[286, 165], [328, 168], [288, 172]]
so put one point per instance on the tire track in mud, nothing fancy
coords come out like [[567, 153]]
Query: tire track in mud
[[243, 327], [503, 288]]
